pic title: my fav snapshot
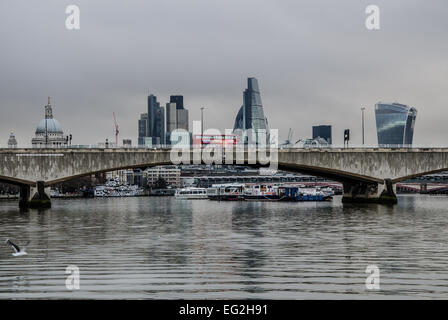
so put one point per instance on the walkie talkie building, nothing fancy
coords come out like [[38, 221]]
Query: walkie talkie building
[[395, 124]]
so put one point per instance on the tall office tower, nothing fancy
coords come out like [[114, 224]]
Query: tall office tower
[[178, 100], [156, 121], [182, 113], [323, 132], [171, 117], [160, 125], [395, 124], [250, 117], [142, 129], [182, 119], [153, 105], [151, 126], [176, 116]]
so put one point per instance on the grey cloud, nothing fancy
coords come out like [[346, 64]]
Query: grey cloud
[[315, 61]]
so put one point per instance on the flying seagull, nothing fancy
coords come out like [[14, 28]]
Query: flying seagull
[[17, 250]]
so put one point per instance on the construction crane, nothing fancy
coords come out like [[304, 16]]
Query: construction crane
[[288, 140], [116, 130]]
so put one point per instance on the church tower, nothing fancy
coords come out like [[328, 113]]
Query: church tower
[[49, 132], [12, 142]]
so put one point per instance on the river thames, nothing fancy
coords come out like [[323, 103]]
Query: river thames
[[163, 248]]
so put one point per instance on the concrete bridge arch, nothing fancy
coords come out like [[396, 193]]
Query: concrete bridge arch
[[368, 175]]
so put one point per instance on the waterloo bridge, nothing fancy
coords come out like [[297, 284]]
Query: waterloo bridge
[[367, 175]]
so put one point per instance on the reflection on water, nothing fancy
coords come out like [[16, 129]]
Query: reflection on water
[[165, 248]]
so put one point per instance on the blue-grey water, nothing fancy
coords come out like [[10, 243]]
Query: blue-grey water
[[163, 248]]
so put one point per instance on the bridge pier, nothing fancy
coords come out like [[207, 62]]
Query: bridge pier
[[35, 197], [370, 192], [24, 197]]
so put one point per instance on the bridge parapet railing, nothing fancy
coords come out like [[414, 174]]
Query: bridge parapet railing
[[164, 147]]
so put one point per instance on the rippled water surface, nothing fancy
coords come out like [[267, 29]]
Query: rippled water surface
[[163, 248]]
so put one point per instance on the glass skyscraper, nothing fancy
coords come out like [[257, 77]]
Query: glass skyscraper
[[395, 124], [142, 128], [178, 100], [151, 126], [176, 116], [251, 115]]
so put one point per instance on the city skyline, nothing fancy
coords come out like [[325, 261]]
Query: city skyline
[[316, 66], [159, 126], [155, 126]]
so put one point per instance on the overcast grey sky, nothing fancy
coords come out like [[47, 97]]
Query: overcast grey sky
[[315, 61]]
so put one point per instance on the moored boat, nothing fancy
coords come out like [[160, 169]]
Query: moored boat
[[113, 188], [191, 193], [261, 192], [299, 193], [226, 192], [268, 192]]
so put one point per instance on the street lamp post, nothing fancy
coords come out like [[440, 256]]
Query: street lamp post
[[362, 110]]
